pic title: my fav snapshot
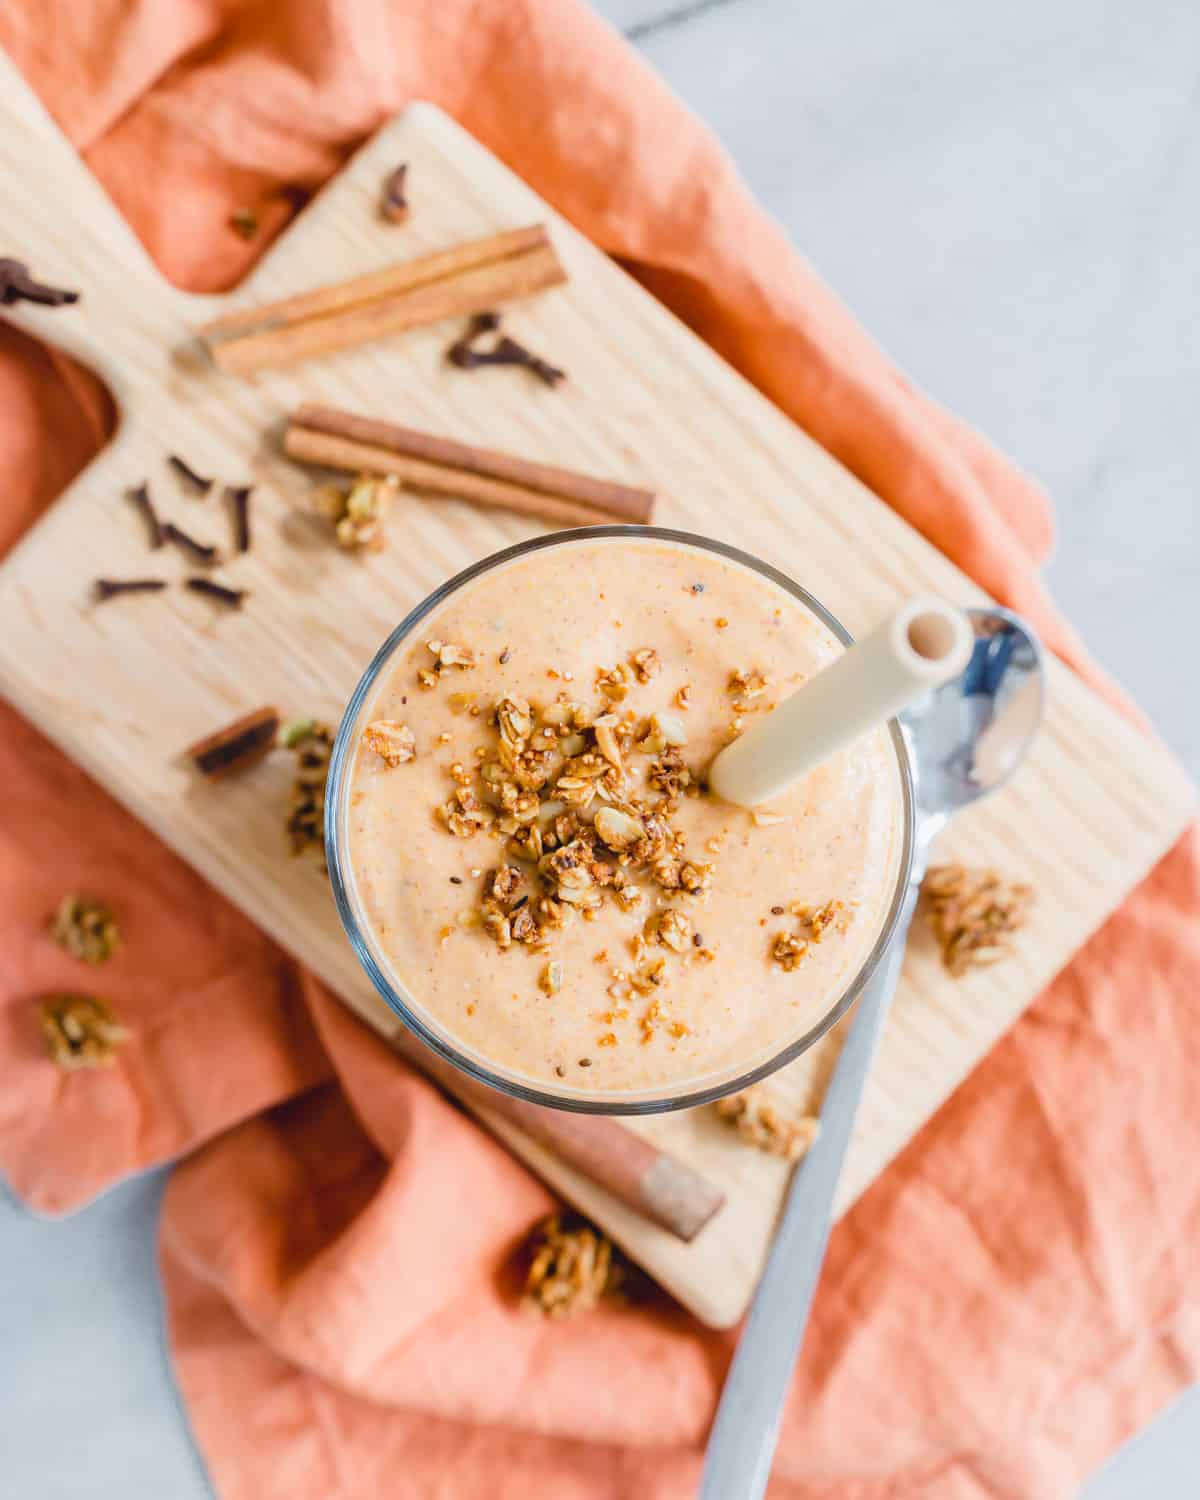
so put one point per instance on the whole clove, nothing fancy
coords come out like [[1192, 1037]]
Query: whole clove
[[199, 551], [467, 355], [225, 596], [194, 481], [140, 495], [238, 496], [109, 588], [393, 205], [17, 284], [232, 597], [238, 745]]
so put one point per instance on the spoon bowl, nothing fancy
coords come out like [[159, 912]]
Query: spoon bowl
[[968, 736]]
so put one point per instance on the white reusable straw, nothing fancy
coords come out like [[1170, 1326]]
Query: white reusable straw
[[922, 645]]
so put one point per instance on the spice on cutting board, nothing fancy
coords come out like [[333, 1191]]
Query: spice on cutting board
[[140, 496], [467, 354], [238, 496], [463, 279], [81, 1031], [195, 482], [113, 588], [437, 465], [359, 510], [219, 592], [393, 203], [17, 284], [198, 551], [237, 746]]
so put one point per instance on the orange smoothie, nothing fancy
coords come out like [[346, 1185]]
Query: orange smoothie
[[540, 865]]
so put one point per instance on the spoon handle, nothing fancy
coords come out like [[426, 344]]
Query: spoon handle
[[744, 1433]]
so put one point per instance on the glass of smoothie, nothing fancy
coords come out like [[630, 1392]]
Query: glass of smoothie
[[526, 857]]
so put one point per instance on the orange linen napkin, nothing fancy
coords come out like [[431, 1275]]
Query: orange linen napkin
[[1013, 1297]]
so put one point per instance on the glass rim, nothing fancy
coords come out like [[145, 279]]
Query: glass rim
[[341, 761]]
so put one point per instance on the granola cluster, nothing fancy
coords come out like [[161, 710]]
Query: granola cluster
[[573, 1265], [581, 797], [560, 792], [790, 949], [312, 744], [395, 744], [762, 1125], [358, 513], [86, 929], [974, 914], [80, 1031]]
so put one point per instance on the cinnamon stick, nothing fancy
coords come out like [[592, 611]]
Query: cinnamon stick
[[464, 279], [661, 1187], [442, 466]]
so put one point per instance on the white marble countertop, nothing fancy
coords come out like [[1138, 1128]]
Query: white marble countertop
[[1008, 196]]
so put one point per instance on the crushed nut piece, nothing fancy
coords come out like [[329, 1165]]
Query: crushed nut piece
[[650, 977], [669, 774], [449, 655], [86, 929], [572, 1265], [80, 1031], [744, 687], [975, 914], [551, 978], [789, 951], [671, 928], [619, 830], [358, 513], [606, 740], [683, 698], [394, 743], [646, 664], [760, 1123], [614, 684]]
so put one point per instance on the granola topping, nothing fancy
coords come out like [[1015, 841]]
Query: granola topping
[[572, 1266], [574, 778], [395, 744], [86, 929], [975, 915], [762, 1124], [80, 1031], [312, 744], [645, 663], [358, 513]]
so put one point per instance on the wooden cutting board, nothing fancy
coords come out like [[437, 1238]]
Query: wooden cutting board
[[124, 687]]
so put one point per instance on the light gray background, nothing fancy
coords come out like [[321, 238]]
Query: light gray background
[[1008, 195]]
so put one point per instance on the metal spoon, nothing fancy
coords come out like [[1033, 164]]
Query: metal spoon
[[966, 739]]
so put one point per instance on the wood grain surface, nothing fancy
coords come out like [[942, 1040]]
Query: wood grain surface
[[125, 686]]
